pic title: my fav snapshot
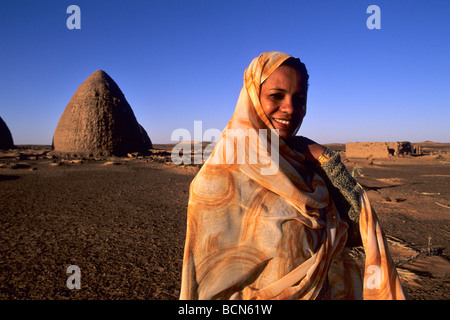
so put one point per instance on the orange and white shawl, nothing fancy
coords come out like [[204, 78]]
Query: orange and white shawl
[[274, 236]]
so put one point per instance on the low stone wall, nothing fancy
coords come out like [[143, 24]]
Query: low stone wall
[[368, 149], [377, 149]]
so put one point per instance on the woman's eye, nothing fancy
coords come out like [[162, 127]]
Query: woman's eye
[[276, 96]]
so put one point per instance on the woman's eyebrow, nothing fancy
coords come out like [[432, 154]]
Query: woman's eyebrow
[[284, 90]]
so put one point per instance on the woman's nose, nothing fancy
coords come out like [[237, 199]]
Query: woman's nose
[[287, 106]]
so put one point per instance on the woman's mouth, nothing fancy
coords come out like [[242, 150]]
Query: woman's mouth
[[282, 122]]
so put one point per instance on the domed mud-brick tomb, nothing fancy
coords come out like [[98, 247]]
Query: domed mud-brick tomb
[[98, 121], [6, 140]]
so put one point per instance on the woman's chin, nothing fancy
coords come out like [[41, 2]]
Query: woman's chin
[[284, 133]]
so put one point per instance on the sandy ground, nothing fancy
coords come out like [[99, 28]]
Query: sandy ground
[[123, 222]]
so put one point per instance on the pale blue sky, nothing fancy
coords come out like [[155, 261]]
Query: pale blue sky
[[182, 61]]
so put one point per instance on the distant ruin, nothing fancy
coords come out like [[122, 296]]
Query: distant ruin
[[6, 140], [377, 149], [99, 121]]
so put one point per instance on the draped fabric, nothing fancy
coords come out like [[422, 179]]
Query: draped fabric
[[262, 225]]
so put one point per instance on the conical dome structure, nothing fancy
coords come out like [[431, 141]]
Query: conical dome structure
[[6, 140], [99, 121]]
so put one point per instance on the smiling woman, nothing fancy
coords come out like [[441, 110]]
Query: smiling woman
[[283, 235]]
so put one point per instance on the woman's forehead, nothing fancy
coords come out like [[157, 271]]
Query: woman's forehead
[[285, 78]]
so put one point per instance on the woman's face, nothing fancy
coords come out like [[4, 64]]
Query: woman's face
[[283, 99]]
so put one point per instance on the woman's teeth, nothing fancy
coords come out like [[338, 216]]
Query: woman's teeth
[[285, 122]]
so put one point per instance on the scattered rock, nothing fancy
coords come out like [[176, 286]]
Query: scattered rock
[[55, 164], [19, 165], [135, 155], [111, 163]]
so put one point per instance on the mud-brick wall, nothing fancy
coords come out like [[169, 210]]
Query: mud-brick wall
[[370, 149]]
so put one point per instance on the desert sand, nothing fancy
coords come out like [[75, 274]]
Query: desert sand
[[122, 220]]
